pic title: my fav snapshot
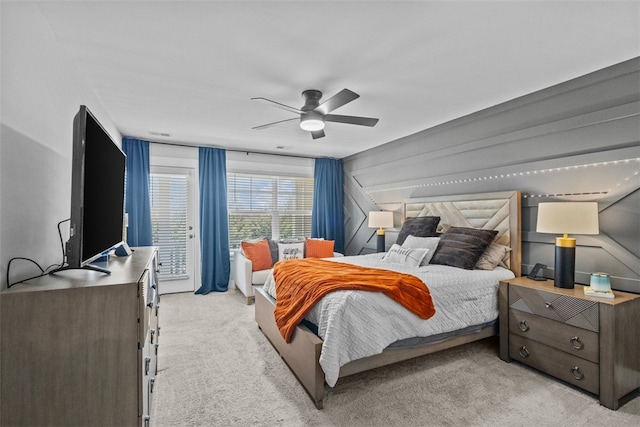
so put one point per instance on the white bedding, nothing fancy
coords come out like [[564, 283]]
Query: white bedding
[[357, 324]]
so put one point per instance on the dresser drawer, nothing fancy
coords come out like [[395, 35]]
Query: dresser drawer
[[561, 308], [568, 338], [564, 366]]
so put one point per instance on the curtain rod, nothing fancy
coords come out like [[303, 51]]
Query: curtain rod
[[177, 144]]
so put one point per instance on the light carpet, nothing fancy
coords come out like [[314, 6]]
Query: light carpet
[[216, 368]]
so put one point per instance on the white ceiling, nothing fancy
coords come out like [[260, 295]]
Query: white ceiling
[[189, 68]]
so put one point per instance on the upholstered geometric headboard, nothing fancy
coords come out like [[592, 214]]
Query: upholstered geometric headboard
[[492, 211]]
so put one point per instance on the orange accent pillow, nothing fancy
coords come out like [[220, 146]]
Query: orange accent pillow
[[258, 253], [319, 248]]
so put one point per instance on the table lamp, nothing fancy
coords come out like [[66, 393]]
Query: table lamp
[[380, 220], [567, 218]]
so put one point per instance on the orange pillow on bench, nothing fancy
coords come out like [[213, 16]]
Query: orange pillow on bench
[[258, 253], [319, 248]]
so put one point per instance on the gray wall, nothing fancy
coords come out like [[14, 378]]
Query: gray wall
[[41, 93], [575, 141]]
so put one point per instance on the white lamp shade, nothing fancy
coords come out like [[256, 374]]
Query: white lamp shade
[[568, 218], [380, 219]]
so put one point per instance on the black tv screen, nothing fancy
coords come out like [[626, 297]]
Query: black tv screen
[[97, 192]]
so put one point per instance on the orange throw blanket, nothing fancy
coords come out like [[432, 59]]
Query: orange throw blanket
[[301, 283]]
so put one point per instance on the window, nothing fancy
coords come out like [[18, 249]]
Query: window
[[268, 206], [169, 203]]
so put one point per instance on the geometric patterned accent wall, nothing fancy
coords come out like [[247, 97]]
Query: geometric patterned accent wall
[[354, 218], [575, 141]]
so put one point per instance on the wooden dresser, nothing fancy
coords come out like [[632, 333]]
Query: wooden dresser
[[80, 347], [592, 343]]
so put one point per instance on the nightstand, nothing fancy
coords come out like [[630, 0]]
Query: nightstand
[[592, 343]]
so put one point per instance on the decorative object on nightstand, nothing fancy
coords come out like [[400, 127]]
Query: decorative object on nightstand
[[567, 218], [588, 291], [533, 274], [600, 286], [380, 220], [600, 282]]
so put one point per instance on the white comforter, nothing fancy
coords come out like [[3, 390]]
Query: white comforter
[[357, 324]]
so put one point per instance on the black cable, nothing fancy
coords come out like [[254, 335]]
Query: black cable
[[61, 243], [43, 271], [25, 259]]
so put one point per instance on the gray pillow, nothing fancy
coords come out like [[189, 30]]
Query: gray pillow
[[430, 243], [406, 256], [419, 226], [273, 248], [462, 247], [495, 255]]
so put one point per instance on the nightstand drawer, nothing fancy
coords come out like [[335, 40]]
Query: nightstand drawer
[[561, 308], [569, 368], [570, 339]]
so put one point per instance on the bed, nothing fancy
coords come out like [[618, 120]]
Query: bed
[[304, 353]]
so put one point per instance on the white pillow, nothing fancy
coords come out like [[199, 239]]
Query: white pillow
[[407, 256], [430, 243], [290, 250]]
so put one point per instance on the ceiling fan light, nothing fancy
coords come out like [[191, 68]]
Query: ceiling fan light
[[311, 121], [311, 124]]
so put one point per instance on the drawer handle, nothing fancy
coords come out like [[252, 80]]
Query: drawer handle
[[523, 351], [577, 373], [523, 326], [548, 305], [577, 343], [147, 362]]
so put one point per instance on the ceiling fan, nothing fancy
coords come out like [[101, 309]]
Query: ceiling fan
[[313, 115]]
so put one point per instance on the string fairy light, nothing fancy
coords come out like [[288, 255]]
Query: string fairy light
[[514, 174]]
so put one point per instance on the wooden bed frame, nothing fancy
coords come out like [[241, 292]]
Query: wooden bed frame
[[497, 211]]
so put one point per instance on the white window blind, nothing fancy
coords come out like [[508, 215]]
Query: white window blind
[[169, 198], [268, 206]]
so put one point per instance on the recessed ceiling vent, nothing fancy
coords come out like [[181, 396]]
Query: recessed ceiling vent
[[163, 134]]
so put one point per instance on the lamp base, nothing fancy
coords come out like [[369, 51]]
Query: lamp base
[[380, 244], [565, 267]]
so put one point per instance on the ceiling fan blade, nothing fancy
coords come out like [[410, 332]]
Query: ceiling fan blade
[[338, 100], [275, 123], [352, 120], [317, 134], [277, 104]]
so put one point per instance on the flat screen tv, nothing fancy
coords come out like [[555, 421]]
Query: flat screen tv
[[97, 193]]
